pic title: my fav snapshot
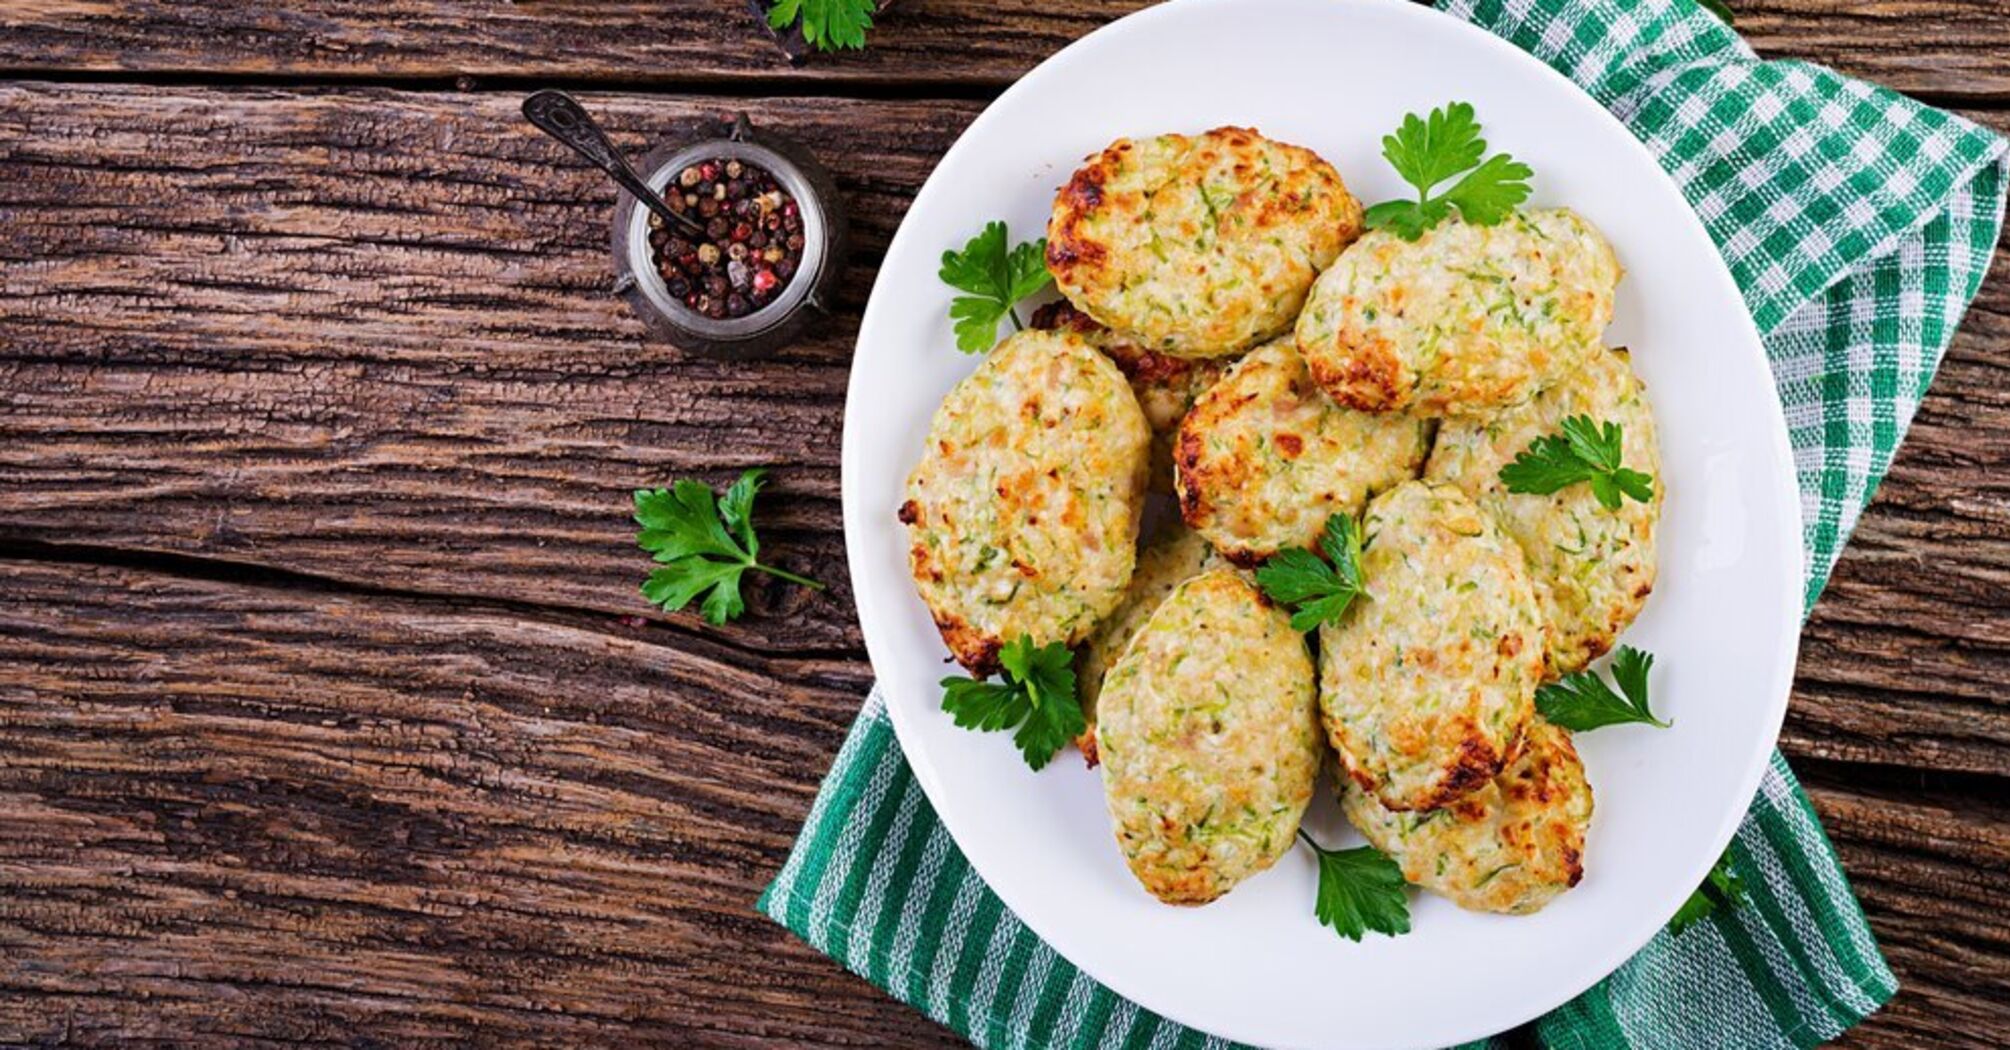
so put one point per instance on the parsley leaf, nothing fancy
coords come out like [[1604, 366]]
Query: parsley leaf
[[996, 279], [1722, 888], [1719, 8], [1583, 452], [1360, 889], [1320, 588], [1429, 151], [1037, 696], [828, 25], [704, 545], [1583, 701]]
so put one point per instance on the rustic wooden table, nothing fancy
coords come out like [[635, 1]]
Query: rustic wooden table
[[328, 710]]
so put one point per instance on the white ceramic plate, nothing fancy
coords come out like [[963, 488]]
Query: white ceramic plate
[[1724, 621]]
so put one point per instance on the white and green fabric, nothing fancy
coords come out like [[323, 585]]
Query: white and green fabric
[[1859, 223]]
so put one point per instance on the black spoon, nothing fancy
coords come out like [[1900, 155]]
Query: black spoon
[[562, 117]]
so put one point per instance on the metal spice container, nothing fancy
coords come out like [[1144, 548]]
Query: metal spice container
[[801, 302]]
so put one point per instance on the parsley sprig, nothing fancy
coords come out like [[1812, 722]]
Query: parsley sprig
[[1584, 451], [1433, 150], [705, 545], [1320, 589], [1037, 696], [996, 280], [1583, 701], [1722, 888], [1360, 889], [828, 25]]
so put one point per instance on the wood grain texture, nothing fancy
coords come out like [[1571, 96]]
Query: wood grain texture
[[1951, 49], [382, 350], [266, 813], [320, 719], [277, 813]]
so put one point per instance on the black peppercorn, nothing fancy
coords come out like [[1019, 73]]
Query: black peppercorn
[[752, 244]]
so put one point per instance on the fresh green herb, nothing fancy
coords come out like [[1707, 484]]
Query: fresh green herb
[[996, 279], [1722, 889], [1719, 8], [1360, 889], [703, 545], [1319, 588], [1037, 696], [1429, 151], [828, 25], [1583, 701], [1584, 451]]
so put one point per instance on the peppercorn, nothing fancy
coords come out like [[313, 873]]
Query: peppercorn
[[751, 246]]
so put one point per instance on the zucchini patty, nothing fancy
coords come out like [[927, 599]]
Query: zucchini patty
[[1264, 458], [1592, 567], [1198, 246], [1511, 846], [1022, 516], [1464, 319], [1429, 678], [1209, 739]]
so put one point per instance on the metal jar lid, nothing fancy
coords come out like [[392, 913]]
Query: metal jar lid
[[802, 301]]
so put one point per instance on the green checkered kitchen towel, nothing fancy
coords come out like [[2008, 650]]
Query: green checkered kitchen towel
[[1859, 223]]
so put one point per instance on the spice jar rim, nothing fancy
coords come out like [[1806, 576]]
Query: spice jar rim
[[795, 291]]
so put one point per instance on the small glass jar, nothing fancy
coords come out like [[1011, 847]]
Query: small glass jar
[[802, 301]]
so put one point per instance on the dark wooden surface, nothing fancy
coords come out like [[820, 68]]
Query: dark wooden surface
[[328, 712]]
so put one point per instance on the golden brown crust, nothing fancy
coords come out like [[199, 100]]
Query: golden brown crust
[[1198, 246], [1022, 515], [1508, 847], [1264, 458], [1370, 380], [1070, 250], [1464, 320], [1428, 681], [975, 650]]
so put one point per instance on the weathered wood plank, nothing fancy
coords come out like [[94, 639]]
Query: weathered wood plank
[[1929, 867], [283, 815], [392, 334], [1946, 48], [290, 815]]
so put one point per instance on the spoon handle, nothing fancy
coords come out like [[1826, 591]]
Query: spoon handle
[[562, 117]]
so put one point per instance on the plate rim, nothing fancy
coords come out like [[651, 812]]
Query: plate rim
[[1786, 494]]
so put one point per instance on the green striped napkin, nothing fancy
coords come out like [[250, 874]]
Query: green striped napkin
[[1859, 223]]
